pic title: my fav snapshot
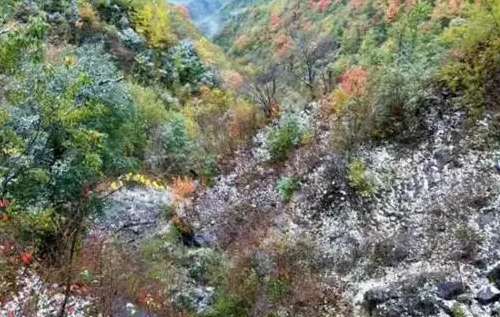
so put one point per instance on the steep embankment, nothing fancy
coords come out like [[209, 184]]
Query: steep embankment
[[418, 245]]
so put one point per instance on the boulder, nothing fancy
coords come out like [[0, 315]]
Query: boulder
[[485, 218], [204, 239], [123, 22], [377, 296], [55, 17], [450, 289], [487, 294]]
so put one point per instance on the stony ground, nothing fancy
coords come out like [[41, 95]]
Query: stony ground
[[424, 243]]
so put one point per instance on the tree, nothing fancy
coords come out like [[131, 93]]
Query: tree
[[152, 20], [263, 88], [309, 57]]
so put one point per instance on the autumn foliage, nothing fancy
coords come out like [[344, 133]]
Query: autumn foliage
[[275, 21], [283, 44], [183, 187], [320, 5], [354, 81]]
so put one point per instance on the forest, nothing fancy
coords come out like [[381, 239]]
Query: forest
[[268, 158]]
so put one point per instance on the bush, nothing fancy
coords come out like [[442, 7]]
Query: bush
[[283, 139], [228, 306], [358, 178], [152, 20], [277, 288], [287, 186], [472, 68]]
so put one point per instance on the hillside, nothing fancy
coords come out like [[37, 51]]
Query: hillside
[[268, 158]]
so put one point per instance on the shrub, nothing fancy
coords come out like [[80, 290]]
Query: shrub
[[151, 108], [223, 121], [228, 306], [287, 186], [472, 68], [183, 187], [152, 20], [277, 288], [358, 178], [283, 139], [177, 145], [21, 43], [242, 123]]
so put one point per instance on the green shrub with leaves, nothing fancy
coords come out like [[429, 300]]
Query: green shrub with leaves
[[358, 179], [287, 186], [228, 306], [277, 288], [64, 128], [21, 42], [284, 138], [472, 68]]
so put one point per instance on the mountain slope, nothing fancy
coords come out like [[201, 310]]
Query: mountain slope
[[324, 159]]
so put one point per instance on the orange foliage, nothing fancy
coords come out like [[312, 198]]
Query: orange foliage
[[409, 4], [275, 21], [392, 11], [446, 8], [241, 42], [181, 225], [320, 5], [354, 81], [4, 217], [356, 3], [235, 79], [283, 44], [183, 187], [26, 258], [241, 123]]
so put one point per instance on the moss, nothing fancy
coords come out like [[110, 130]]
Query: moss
[[458, 311]]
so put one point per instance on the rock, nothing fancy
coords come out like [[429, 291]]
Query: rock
[[493, 275], [55, 17], [378, 296], [130, 37], [495, 310], [204, 239], [450, 289], [263, 263], [488, 294], [133, 210], [123, 22], [443, 156], [465, 299], [486, 217]]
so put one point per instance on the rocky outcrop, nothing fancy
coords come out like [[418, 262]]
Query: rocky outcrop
[[416, 246], [134, 211]]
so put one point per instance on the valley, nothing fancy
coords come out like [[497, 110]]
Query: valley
[[267, 158]]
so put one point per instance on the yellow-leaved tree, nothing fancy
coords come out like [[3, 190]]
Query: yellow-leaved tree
[[152, 20]]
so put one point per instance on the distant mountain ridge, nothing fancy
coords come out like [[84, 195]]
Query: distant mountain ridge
[[211, 15]]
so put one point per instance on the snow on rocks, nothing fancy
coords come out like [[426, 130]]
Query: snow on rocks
[[42, 299], [134, 209], [432, 217]]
